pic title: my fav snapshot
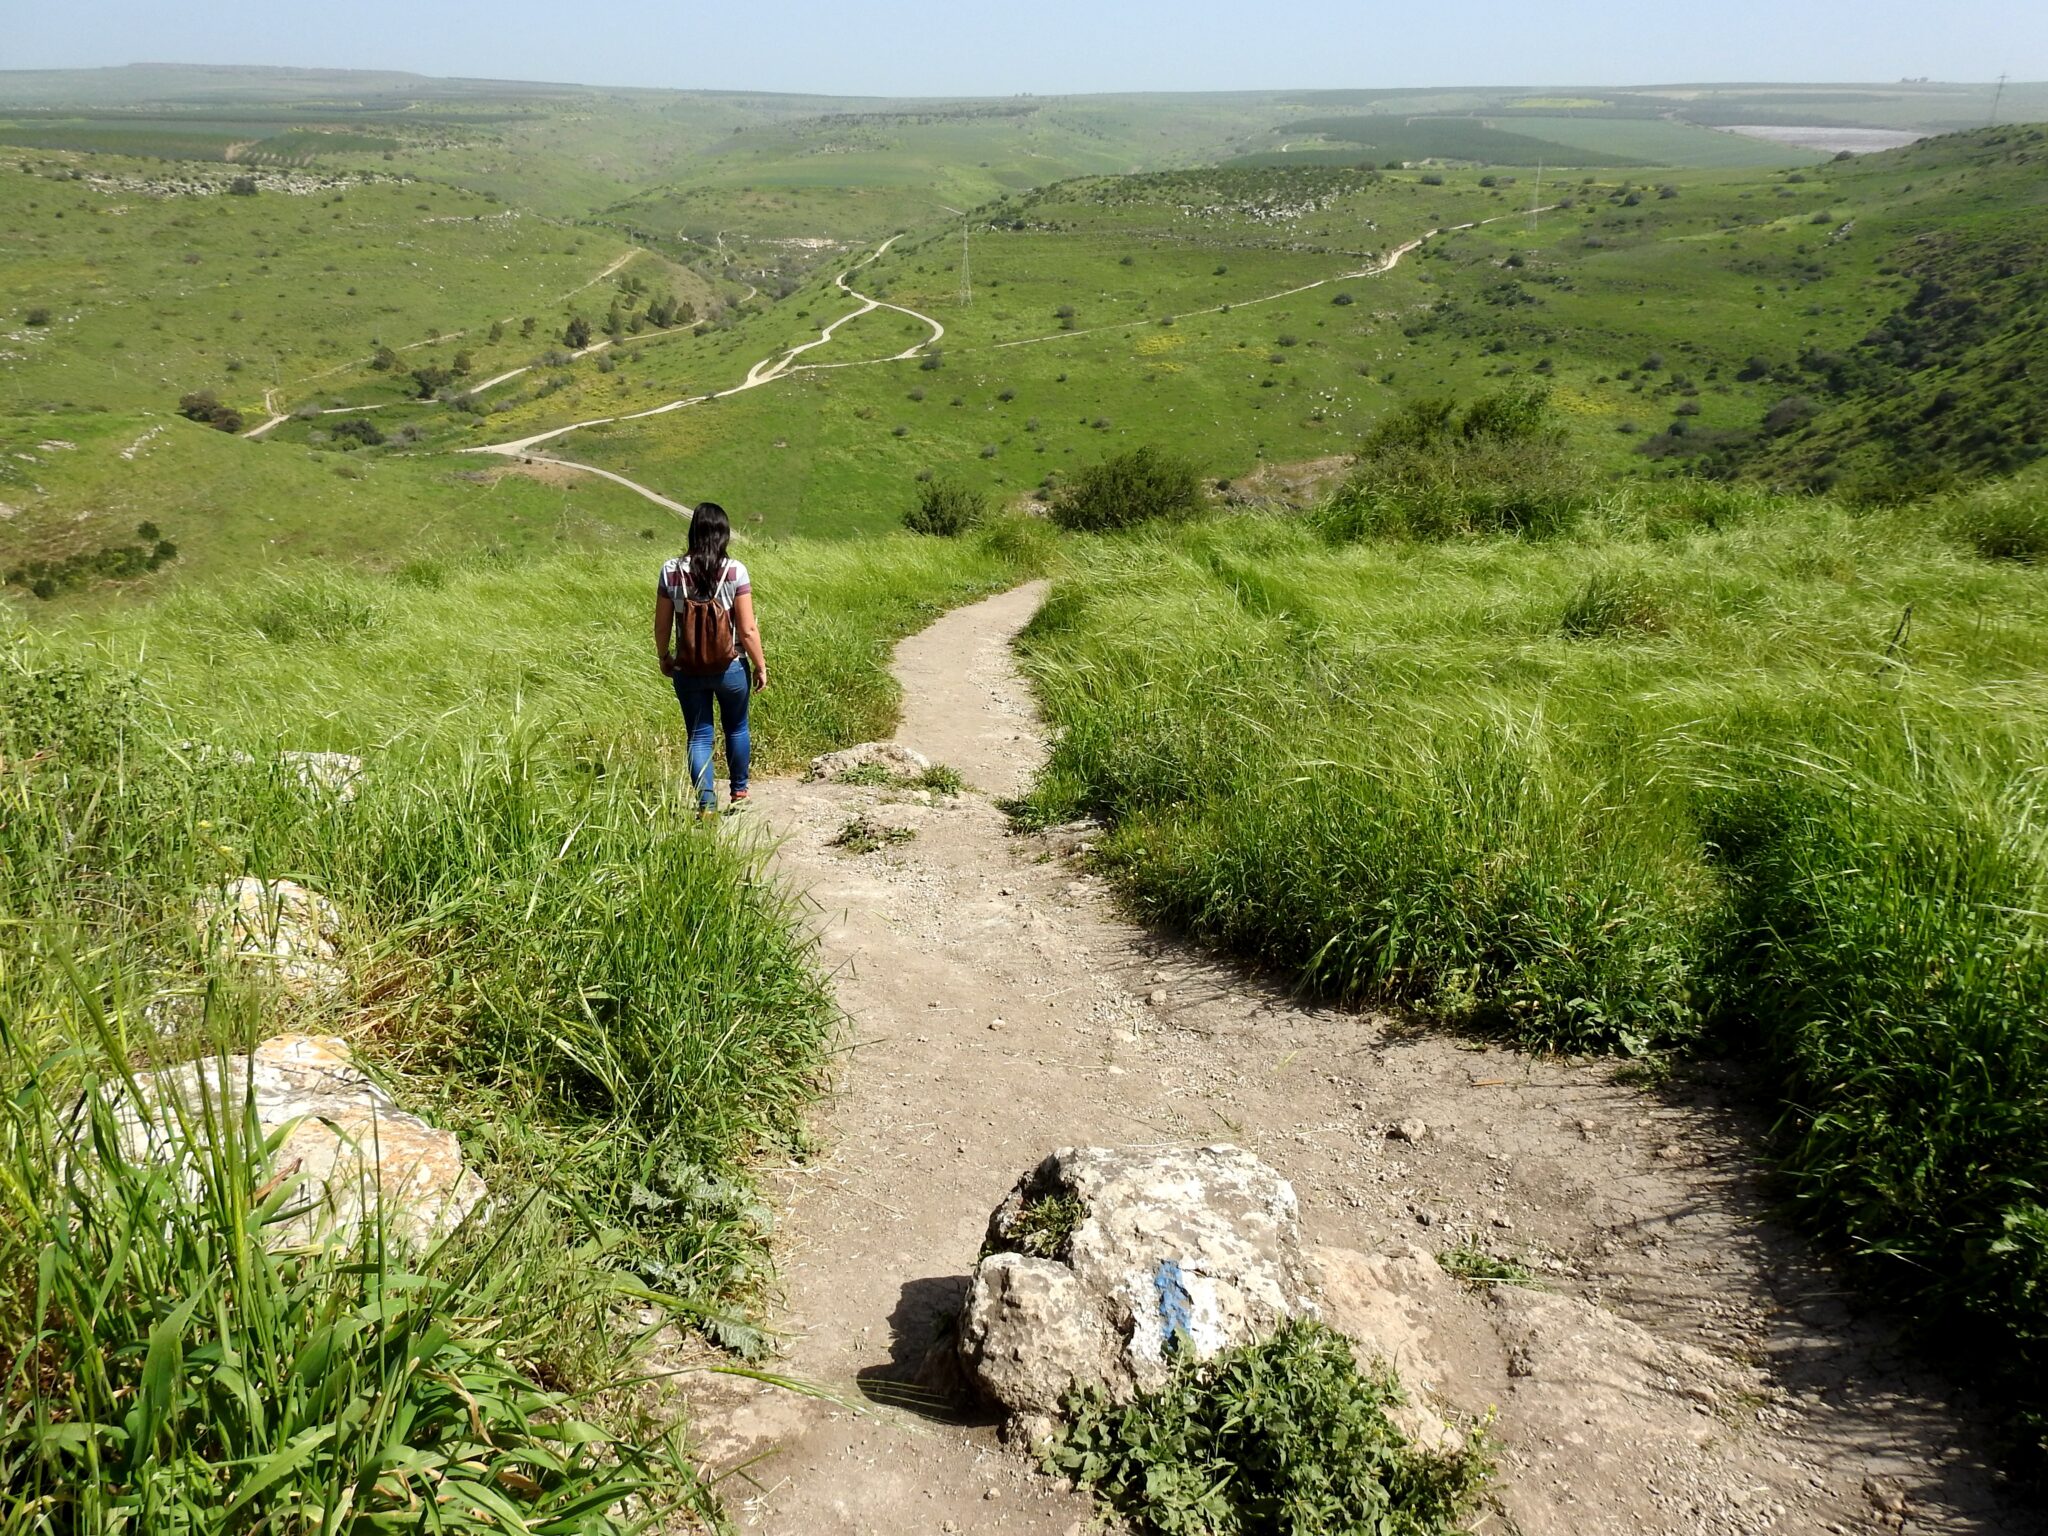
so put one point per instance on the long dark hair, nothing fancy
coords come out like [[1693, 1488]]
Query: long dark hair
[[710, 533]]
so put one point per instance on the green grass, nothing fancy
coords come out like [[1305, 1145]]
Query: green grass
[[1711, 761], [1288, 1437], [606, 1000]]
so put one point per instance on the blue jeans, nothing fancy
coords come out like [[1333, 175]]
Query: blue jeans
[[731, 689]]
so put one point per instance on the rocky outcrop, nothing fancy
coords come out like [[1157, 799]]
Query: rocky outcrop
[[354, 1152], [279, 928], [887, 755], [1104, 1266]]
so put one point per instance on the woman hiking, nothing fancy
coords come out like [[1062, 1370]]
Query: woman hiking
[[703, 620]]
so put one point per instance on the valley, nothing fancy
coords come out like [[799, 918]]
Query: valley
[[1452, 633]]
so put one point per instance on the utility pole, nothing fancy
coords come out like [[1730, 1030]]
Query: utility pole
[[1997, 96], [966, 280], [1536, 199]]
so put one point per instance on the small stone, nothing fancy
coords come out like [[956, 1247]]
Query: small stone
[[1502, 1220], [1671, 1152], [1156, 997], [991, 1493], [1407, 1130]]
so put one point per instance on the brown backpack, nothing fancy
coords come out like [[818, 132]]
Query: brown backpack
[[703, 632]]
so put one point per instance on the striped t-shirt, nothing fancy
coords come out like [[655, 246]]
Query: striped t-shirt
[[676, 586]]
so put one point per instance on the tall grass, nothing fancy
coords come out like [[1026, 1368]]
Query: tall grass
[[1769, 768], [175, 1360], [611, 1005]]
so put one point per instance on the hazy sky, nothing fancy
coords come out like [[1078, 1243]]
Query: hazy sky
[[924, 47]]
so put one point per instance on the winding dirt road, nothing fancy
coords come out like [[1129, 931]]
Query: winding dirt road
[[783, 364], [765, 372], [1685, 1369]]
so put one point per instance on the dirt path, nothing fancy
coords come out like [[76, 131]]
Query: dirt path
[[1000, 1007]]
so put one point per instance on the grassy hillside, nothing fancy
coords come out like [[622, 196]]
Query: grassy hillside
[[1705, 761], [1697, 320], [544, 949]]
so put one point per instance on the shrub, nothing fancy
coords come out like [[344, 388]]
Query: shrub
[[1141, 486], [360, 430], [205, 406], [1431, 471], [1287, 1437], [932, 362], [945, 508], [37, 315]]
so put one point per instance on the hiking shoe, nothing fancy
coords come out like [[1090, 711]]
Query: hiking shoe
[[737, 804]]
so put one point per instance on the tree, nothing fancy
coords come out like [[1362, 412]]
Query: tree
[[463, 365], [577, 336], [497, 330], [386, 360], [614, 321], [37, 316], [526, 326], [431, 379], [242, 186]]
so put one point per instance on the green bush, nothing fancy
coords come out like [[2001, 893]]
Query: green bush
[[1284, 1438], [1434, 471], [1141, 486], [945, 508]]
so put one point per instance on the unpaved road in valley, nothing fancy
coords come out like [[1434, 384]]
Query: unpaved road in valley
[[999, 1006], [782, 364]]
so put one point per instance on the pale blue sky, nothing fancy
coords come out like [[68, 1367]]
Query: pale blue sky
[[923, 47]]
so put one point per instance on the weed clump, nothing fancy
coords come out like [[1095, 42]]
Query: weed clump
[[1611, 604], [1288, 1437], [1479, 1269], [1127, 489], [2007, 521], [863, 834]]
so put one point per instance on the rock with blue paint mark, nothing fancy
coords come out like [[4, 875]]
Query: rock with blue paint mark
[[1106, 1264]]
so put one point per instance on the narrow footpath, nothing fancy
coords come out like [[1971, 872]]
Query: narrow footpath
[[999, 1006]]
